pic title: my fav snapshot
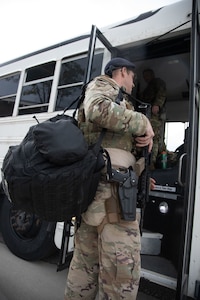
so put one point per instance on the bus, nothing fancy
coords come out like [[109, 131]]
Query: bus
[[40, 85]]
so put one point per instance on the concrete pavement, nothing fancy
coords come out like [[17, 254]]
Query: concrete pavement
[[22, 280]]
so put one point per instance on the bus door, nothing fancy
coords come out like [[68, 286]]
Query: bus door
[[191, 158], [65, 256]]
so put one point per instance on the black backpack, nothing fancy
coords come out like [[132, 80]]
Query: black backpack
[[53, 172]]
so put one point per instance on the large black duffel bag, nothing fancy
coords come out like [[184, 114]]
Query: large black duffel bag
[[53, 173]]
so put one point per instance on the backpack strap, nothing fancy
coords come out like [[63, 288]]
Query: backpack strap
[[78, 100], [97, 146]]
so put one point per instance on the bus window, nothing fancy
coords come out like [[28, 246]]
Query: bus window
[[8, 91], [175, 134], [36, 89], [71, 79]]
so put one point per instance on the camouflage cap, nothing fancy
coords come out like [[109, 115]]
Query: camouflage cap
[[117, 63]]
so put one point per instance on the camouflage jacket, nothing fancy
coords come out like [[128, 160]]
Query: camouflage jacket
[[99, 110], [155, 92]]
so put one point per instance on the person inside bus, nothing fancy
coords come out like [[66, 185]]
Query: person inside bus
[[155, 94], [106, 259]]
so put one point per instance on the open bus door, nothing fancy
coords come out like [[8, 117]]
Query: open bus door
[[191, 157], [65, 256]]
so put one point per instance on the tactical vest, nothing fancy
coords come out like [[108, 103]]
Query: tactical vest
[[103, 85]]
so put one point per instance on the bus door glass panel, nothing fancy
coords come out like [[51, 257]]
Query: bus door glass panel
[[8, 91], [71, 80], [37, 89]]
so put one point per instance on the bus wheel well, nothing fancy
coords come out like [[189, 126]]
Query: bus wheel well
[[26, 236]]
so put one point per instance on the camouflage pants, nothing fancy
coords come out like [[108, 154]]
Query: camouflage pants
[[107, 264], [156, 125]]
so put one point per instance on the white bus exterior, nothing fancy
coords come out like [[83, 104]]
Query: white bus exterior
[[43, 83]]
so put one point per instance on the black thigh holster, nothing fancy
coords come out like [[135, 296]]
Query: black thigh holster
[[127, 190]]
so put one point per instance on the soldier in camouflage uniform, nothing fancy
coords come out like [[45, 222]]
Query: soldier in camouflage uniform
[[106, 260], [155, 94]]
